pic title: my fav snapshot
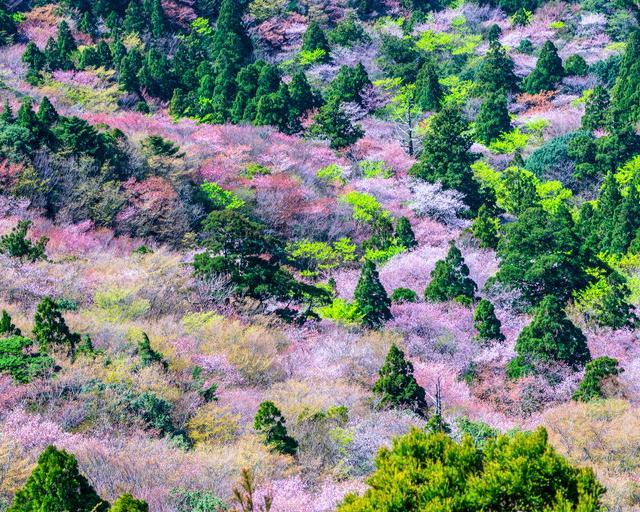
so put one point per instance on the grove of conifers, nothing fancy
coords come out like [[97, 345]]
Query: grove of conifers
[[319, 255]]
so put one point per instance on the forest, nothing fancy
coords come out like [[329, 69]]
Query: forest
[[319, 255]]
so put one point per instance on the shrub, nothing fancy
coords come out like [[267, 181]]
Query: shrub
[[213, 424], [16, 244], [595, 372], [576, 66], [17, 360], [271, 424], [401, 295]]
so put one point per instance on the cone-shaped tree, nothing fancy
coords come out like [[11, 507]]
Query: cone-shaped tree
[[486, 323], [157, 18], [397, 387], [271, 424], [231, 41], [6, 116], [303, 97], [27, 118], [428, 91], [134, 18], [485, 228], [50, 329], [596, 109], [450, 279], [627, 221], [349, 84], [497, 70], [550, 337], [315, 39], [404, 234], [56, 485], [625, 95], [595, 372], [615, 311], [127, 503], [371, 297], [446, 157], [547, 73], [332, 123], [494, 33], [147, 354], [34, 59], [6, 326], [47, 113], [493, 119], [605, 216]]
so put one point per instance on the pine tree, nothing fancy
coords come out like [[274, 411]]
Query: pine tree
[[127, 503], [485, 228], [27, 118], [429, 93], [596, 109], [446, 157], [576, 66], [315, 39], [348, 84], [134, 18], [627, 221], [35, 61], [271, 424], [231, 42], [595, 372], [86, 25], [371, 298], [303, 97], [16, 244], [493, 119], [605, 217], [65, 45], [56, 485], [404, 235], [6, 116], [50, 328], [47, 114], [128, 71], [157, 18], [497, 70], [396, 385], [450, 279], [625, 95], [550, 337], [6, 326], [615, 311], [147, 354], [331, 122], [486, 323], [547, 73]]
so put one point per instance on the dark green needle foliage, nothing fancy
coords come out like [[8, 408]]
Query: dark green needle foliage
[[486, 323], [450, 279], [148, 355], [595, 372], [596, 109], [625, 95], [576, 66], [331, 122], [271, 424], [315, 39], [404, 234], [429, 93], [50, 329], [403, 295], [485, 228], [497, 70], [371, 297], [493, 119], [547, 73], [17, 245], [6, 325]]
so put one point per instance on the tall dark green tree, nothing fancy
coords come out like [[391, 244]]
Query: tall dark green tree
[[303, 97], [56, 485], [50, 329], [47, 114], [134, 18], [493, 119], [397, 387], [271, 424], [625, 95], [331, 122], [450, 279], [446, 155], [371, 297], [429, 93], [315, 39], [497, 70], [35, 60], [547, 73], [348, 84], [486, 323], [231, 42], [404, 234], [596, 109], [595, 372], [6, 325], [550, 337]]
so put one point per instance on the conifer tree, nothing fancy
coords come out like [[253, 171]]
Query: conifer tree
[[17, 245], [625, 95], [271, 424], [128, 71], [65, 46], [127, 503], [6, 326], [605, 217], [404, 235], [50, 328], [446, 155], [331, 122], [27, 118], [315, 39], [627, 221], [86, 25], [157, 18], [485, 228], [148, 355], [231, 42], [303, 97], [396, 385], [596, 109], [428, 91], [47, 114], [615, 311], [493, 119], [595, 372], [349, 84], [450, 279], [372, 300], [550, 337], [35, 60], [576, 66], [494, 33], [134, 18], [486, 323], [497, 70], [56, 485], [547, 73]]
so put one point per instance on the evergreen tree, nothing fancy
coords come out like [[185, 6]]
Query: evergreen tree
[[605, 216], [148, 355], [155, 75], [50, 328], [625, 95], [615, 311], [47, 114], [103, 54], [404, 235], [550, 337], [485, 228], [35, 61], [271, 424], [596, 109], [56, 485], [595, 372], [331, 122], [273, 110], [349, 84], [65, 46], [303, 97], [231, 43], [6, 326], [547, 73], [493, 119], [128, 71], [157, 18], [6, 116], [450, 279], [16, 244], [27, 118], [494, 33], [627, 221], [127, 503], [446, 157], [576, 66], [428, 91], [315, 39], [497, 70], [486, 323], [371, 298], [134, 18], [86, 25], [396, 385]]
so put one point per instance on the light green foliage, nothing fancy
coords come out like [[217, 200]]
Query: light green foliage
[[456, 43], [127, 503], [479, 431], [341, 311], [606, 301], [384, 255], [253, 169], [366, 208], [375, 169], [120, 304], [311, 57], [332, 173], [220, 198], [510, 142], [319, 257]]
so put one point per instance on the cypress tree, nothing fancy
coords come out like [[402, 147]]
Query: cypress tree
[[485, 228], [486, 323], [315, 39], [65, 45], [86, 25], [576, 66], [47, 114], [247, 86], [303, 97], [548, 71], [331, 122], [273, 110], [269, 79], [103, 54], [35, 61], [56, 485], [371, 298], [348, 84], [605, 217], [271, 424], [446, 157], [595, 372], [550, 337], [27, 118], [157, 18], [615, 311], [450, 279], [127, 503], [428, 91], [497, 70], [230, 41], [50, 328], [396, 385], [134, 18], [596, 109], [627, 221], [6, 116], [128, 71], [148, 355], [494, 33], [6, 326], [625, 95], [493, 119], [404, 235]]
